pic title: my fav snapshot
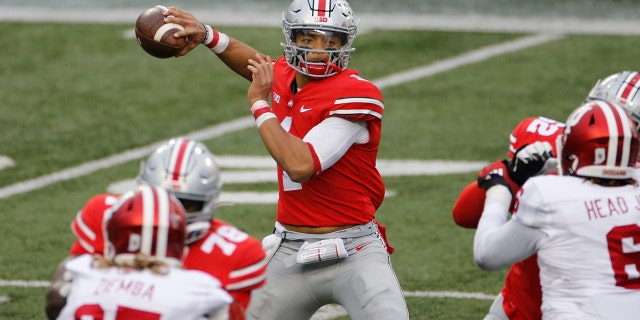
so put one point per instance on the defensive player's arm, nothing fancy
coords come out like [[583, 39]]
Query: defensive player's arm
[[236, 53], [468, 208], [497, 243], [57, 291]]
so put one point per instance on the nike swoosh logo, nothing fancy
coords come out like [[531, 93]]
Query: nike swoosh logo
[[358, 248], [303, 109]]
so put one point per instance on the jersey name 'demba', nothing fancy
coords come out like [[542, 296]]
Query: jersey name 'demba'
[[133, 288]]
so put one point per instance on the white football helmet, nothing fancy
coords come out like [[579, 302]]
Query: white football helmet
[[621, 88], [189, 171], [330, 18]]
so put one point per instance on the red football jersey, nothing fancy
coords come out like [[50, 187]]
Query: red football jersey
[[350, 191], [522, 291], [232, 256]]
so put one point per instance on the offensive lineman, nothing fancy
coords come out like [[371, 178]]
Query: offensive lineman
[[141, 276]]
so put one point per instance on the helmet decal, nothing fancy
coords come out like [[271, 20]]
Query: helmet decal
[[600, 141], [179, 159], [622, 88], [630, 87]]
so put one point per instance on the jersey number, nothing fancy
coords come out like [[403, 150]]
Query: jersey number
[[624, 252], [543, 126], [95, 312], [225, 238]]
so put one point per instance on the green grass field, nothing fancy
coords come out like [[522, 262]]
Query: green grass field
[[77, 93]]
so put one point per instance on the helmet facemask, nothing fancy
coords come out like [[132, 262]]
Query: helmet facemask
[[337, 61], [198, 215], [334, 21]]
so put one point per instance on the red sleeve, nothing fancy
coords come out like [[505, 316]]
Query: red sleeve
[[469, 205], [87, 226]]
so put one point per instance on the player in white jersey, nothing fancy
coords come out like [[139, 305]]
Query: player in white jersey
[[584, 224], [140, 276]]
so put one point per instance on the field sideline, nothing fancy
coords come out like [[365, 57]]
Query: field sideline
[[546, 31], [368, 22]]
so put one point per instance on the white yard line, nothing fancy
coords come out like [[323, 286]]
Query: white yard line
[[465, 59], [367, 21], [246, 122], [117, 159]]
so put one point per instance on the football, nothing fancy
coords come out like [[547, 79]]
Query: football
[[155, 36]]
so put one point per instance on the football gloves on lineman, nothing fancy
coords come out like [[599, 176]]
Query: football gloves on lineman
[[530, 160]]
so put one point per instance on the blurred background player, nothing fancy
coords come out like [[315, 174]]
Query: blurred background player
[[583, 225], [324, 133], [190, 171], [622, 88], [140, 275], [521, 297]]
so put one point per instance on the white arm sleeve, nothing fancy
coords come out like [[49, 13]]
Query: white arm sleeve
[[332, 137], [497, 243]]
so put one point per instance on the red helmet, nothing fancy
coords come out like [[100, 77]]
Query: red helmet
[[147, 220], [599, 141]]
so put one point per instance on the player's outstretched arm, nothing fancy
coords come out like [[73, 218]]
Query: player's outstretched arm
[[233, 52]]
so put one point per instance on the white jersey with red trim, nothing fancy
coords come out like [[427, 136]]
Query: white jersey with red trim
[[234, 257], [589, 256], [115, 293], [350, 191]]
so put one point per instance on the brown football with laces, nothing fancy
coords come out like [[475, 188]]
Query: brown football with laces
[[155, 36]]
